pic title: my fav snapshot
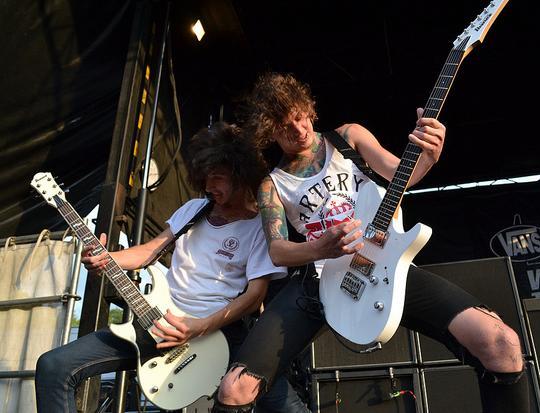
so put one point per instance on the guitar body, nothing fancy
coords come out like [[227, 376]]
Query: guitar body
[[165, 382], [358, 319]]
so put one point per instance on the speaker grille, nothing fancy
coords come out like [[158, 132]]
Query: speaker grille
[[455, 389], [492, 281], [330, 353]]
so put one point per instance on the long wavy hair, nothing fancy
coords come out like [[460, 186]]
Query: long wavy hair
[[273, 98], [224, 145]]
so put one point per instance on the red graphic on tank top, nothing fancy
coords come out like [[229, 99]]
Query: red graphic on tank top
[[334, 213]]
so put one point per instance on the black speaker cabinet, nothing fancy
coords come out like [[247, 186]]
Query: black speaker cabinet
[[454, 389], [532, 321], [329, 352], [366, 391], [492, 281]]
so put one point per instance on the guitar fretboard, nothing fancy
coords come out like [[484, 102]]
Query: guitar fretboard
[[398, 185], [123, 284]]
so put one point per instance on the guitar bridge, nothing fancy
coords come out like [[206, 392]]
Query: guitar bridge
[[352, 285], [375, 236]]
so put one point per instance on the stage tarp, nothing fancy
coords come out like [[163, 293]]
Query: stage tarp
[[62, 67]]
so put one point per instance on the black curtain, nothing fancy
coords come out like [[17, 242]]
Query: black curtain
[[62, 66]]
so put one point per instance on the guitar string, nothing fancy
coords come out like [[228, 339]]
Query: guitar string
[[139, 304], [393, 195]]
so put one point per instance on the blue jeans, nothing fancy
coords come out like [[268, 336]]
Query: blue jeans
[[61, 370]]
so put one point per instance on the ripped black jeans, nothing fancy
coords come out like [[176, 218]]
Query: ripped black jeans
[[294, 318]]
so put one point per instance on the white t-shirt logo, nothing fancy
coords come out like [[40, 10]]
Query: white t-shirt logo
[[231, 243]]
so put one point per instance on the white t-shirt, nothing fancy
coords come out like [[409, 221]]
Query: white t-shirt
[[211, 265]]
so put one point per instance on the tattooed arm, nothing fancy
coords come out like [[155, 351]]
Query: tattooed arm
[[334, 243]]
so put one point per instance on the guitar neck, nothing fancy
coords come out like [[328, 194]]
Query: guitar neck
[[123, 284], [409, 160]]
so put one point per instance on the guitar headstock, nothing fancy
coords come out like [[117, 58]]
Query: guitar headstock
[[46, 186], [477, 30]]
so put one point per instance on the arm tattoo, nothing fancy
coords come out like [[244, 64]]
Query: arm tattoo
[[272, 212]]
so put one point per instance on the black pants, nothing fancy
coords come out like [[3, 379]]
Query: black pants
[[293, 319], [281, 397]]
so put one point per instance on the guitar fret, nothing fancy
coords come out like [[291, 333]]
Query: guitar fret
[[390, 199], [400, 180], [114, 273], [386, 213]]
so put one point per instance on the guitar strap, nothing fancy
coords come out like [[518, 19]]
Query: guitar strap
[[348, 152], [182, 231]]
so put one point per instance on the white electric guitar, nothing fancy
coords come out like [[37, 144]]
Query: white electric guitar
[[363, 295], [170, 379]]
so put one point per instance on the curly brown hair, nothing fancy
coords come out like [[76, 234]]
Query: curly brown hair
[[223, 145], [273, 98]]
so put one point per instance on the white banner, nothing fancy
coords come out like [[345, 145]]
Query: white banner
[[30, 271]]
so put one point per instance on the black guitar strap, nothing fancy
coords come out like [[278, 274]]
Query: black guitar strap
[[348, 152], [182, 231]]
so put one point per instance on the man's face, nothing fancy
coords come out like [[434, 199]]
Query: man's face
[[219, 184], [296, 133]]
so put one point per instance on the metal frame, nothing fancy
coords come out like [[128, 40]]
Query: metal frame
[[338, 376]]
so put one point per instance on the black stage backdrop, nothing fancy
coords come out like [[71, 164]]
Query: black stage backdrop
[[498, 220], [62, 67]]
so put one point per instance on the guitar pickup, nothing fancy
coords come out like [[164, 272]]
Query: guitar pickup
[[375, 236], [362, 265], [185, 363], [177, 352], [352, 285]]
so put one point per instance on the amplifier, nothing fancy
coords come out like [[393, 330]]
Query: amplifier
[[454, 389], [376, 391], [329, 352], [492, 281]]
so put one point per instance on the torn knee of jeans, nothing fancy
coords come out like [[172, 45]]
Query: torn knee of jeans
[[219, 407], [263, 382], [488, 311]]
